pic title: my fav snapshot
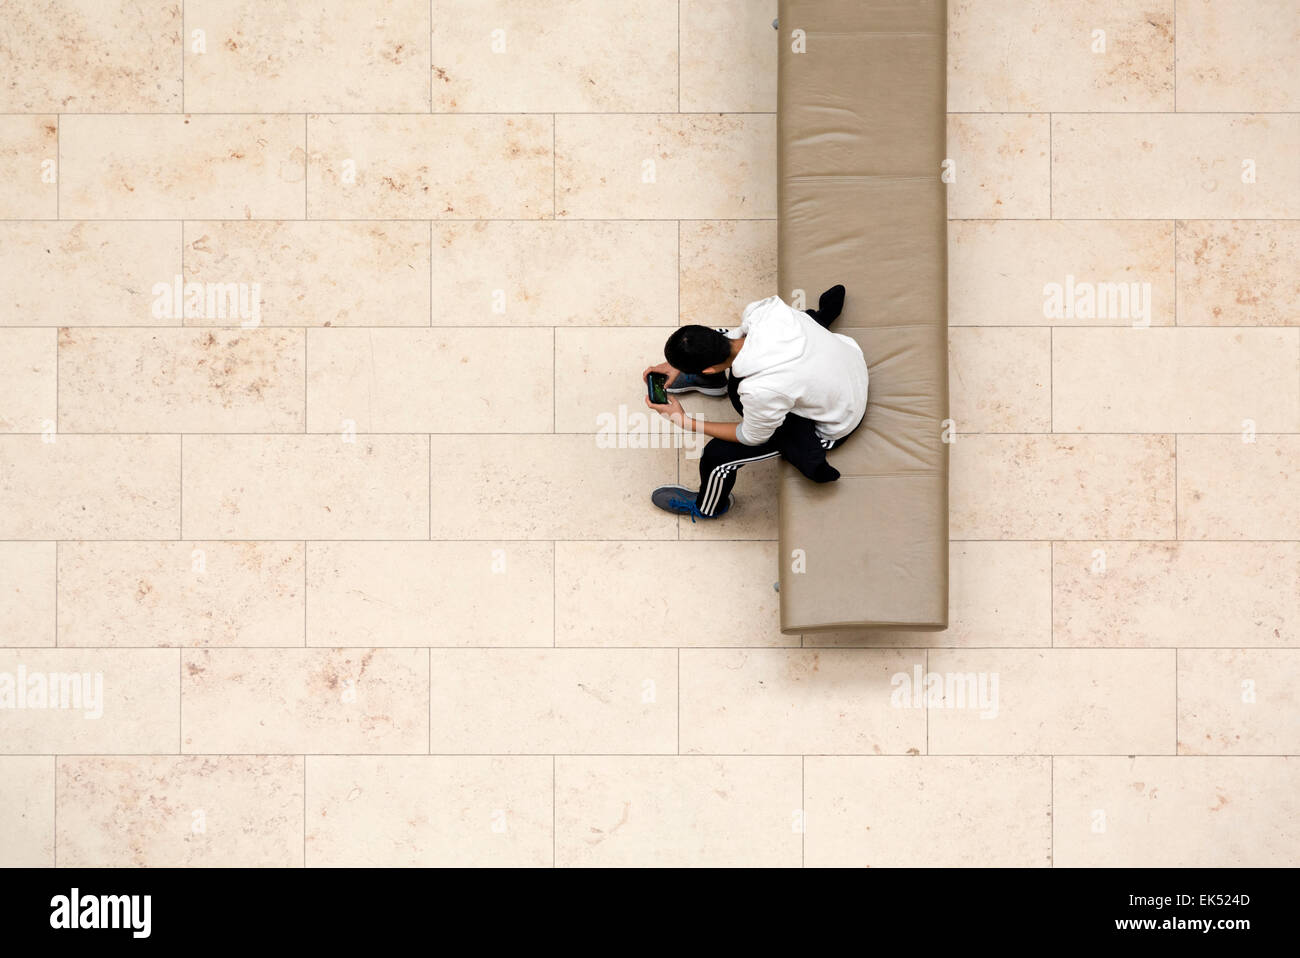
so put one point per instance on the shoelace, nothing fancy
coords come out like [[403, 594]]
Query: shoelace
[[685, 504]]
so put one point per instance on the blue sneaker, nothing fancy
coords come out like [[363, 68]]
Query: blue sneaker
[[680, 500], [710, 384]]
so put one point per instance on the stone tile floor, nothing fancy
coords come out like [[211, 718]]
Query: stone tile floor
[[349, 557]]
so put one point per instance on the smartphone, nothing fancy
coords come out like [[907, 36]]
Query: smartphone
[[657, 387]]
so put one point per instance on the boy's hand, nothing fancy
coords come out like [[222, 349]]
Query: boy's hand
[[672, 410], [664, 368]]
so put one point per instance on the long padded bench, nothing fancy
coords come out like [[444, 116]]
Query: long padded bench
[[860, 146]]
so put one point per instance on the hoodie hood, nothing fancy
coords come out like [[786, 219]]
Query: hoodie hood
[[773, 336]]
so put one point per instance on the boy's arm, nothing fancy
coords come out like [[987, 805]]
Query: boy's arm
[[674, 413]]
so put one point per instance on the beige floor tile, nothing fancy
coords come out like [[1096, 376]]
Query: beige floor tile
[[677, 812], [28, 379], [367, 273], [728, 52], [774, 702], [306, 487], [84, 701], [181, 167], [430, 593], [331, 701], [1043, 55], [666, 166], [86, 274], [992, 812], [756, 511], [29, 160], [999, 594], [1230, 489], [27, 594], [1022, 702], [540, 57], [198, 811], [548, 487], [431, 380], [1015, 272], [1238, 56], [1000, 379], [180, 593], [430, 167], [1187, 165], [1166, 812], [88, 56], [1176, 593], [1068, 487], [428, 811], [1175, 380], [1238, 273], [667, 594], [726, 265], [598, 380], [27, 810], [327, 55], [90, 487], [515, 273], [1238, 702], [180, 380], [1002, 165], [566, 701]]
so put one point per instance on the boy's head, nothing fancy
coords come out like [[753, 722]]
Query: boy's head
[[693, 349]]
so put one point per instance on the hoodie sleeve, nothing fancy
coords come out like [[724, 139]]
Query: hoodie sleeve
[[764, 412]]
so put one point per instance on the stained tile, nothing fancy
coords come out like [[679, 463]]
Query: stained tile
[[367, 273], [181, 167], [163, 380], [336, 701], [1001, 164], [322, 55], [1229, 488], [29, 161], [1238, 57], [1068, 487], [180, 593], [1238, 702], [430, 167], [728, 51], [1000, 379], [1166, 812], [726, 265], [209, 811], [88, 56], [1189, 594], [533, 56], [1238, 273], [1038, 55]]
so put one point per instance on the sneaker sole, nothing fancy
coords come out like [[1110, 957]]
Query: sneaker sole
[[702, 390]]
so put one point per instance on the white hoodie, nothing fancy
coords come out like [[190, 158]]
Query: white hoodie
[[791, 364]]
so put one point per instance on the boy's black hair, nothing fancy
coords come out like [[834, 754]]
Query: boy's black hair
[[692, 349]]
